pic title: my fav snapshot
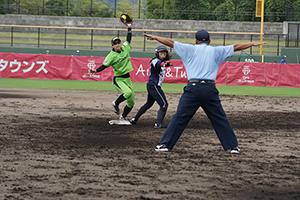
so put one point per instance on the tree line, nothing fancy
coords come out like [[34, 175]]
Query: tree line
[[224, 10]]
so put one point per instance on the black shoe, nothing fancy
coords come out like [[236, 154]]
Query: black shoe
[[123, 121], [161, 147], [116, 107], [133, 121], [161, 125], [235, 150], [123, 118]]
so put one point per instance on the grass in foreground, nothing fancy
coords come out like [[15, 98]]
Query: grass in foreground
[[141, 87]]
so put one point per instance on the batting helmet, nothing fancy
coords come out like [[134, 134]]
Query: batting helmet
[[161, 48]]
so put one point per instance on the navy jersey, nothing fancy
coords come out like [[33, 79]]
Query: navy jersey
[[157, 72]]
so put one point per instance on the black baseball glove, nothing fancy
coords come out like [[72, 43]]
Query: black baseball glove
[[126, 19], [167, 64]]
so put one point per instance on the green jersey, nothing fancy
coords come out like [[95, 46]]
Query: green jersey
[[119, 61]]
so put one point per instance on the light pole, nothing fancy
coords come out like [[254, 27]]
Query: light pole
[[115, 8], [91, 7], [260, 13], [187, 6], [67, 7], [139, 9], [163, 5], [262, 24], [235, 10]]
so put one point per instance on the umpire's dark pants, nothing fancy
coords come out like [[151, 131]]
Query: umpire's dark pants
[[206, 95]]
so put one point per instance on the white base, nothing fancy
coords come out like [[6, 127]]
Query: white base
[[119, 122]]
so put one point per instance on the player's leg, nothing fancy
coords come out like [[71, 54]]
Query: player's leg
[[116, 103], [144, 108], [214, 110], [124, 85], [120, 99], [188, 105], [161, 99]]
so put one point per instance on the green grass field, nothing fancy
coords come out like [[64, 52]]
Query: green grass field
[[141, 87]]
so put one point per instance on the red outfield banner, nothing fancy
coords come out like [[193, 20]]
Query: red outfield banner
[[245, 73], [282, 75], [41, 66], [35, 66], [141, 70], [263, 74]]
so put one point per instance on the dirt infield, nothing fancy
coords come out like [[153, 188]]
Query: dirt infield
[[59, 145]]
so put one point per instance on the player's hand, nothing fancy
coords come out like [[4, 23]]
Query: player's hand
[[258, 43], [149, 37], [168, 64], [92, 71]]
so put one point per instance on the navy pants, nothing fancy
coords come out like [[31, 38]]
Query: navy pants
[[206, 95], [155, 93]]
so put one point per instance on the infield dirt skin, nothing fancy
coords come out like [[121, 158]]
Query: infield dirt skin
[[57, 144]]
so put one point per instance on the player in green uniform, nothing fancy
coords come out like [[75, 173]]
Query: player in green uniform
[[119, 59]]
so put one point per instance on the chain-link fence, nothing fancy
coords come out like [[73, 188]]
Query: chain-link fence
[[139, 10]]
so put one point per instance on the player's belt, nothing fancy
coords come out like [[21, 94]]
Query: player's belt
[[127, 75], [201, 81]]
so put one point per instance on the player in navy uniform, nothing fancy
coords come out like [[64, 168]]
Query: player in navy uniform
[[201, 62], [283, 60], [155, 93]]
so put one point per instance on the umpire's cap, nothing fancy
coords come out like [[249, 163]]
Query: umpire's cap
[[202, 35], [115, 40]]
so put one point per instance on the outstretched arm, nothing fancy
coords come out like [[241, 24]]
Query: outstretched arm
[[129, 33], [242, 46], [99, 69], [166, 41]]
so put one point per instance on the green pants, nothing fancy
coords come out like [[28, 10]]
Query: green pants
[[124, 85]]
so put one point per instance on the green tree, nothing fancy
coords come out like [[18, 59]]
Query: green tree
[[29, 6], [235, 10], [276, 10], [2, 7], [141, 9], [296, 6], [160, 9], [19, 6], [55, 7], [245, 10], [226, 11], [215, 3], [91, 8], [126, 6], [193, 9]]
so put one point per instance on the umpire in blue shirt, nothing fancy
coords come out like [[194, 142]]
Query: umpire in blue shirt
[[201, 62]]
